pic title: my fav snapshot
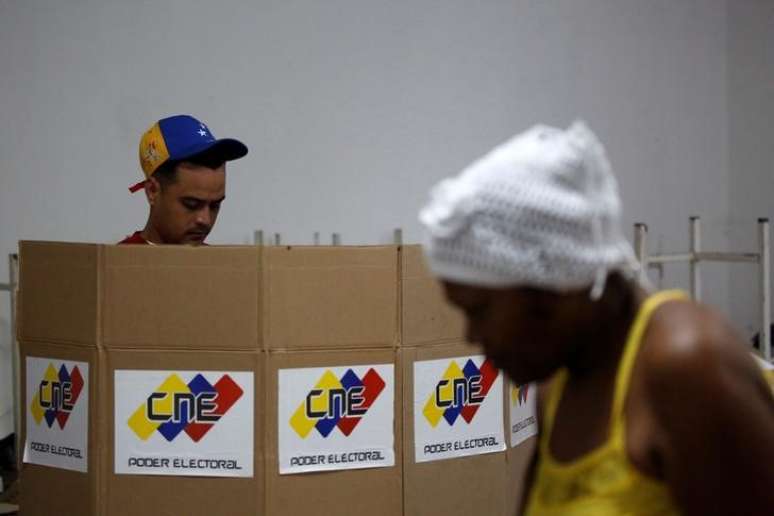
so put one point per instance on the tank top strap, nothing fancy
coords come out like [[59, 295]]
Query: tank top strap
[[631, 348], [623, 375]]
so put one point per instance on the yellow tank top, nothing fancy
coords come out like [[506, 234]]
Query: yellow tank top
[[767, 369], [602, 482]]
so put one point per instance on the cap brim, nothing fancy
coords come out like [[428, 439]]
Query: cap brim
[[228, 149], [225, 149]]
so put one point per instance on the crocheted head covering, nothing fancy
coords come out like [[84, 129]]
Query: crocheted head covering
[[541, 210]]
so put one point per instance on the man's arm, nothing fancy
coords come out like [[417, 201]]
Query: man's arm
[[715, 415]]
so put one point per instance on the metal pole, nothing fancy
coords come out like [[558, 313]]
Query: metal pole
[[658, 259], [13, 280], [398, 236], [641, 250], [694, 264], [765, 268], [729, 257]]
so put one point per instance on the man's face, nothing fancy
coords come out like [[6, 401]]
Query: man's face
[[519, 328], [185, 211]]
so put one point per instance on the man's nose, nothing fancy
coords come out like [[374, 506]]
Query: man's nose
[[204, 217]]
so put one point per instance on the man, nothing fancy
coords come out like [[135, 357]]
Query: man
[[648, 404], [185, 180]]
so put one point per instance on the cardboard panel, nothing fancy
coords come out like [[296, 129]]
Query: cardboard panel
[[181, 297], [376, 492], [58, 293], [130, 495], [331, 297], [47, 490], [451, 487], [426, 316], [518, 459]]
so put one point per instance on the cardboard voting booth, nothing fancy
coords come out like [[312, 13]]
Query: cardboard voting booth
[[257, 381]]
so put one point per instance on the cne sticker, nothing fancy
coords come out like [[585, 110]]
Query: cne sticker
[[336, 418], [458, 408], [184, 423], [57, 413]]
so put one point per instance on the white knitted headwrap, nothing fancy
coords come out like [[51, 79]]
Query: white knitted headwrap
[[541, 210]]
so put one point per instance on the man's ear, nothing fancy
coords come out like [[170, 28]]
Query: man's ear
[[152, 190]]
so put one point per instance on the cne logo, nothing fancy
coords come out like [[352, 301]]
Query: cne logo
[[176, 407], [460, 392], [519, 394], [58, 392], [335, 402]]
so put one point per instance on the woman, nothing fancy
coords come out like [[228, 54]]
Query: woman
[[648, 404]]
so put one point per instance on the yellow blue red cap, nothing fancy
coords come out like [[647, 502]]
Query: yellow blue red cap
[[182, 137]]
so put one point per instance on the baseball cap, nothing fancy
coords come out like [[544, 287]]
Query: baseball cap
[[181, 137]]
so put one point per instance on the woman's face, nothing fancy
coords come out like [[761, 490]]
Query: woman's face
[[524, 331]]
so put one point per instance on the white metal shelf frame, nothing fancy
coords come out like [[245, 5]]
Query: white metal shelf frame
[[11, 288], [695, 256]]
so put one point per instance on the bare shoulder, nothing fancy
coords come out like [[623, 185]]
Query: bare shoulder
[[691, 347], [713, 412]]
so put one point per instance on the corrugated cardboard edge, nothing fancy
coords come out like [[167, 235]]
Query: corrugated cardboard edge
[[517, 458], [263, 311], [399, 280], [22, 383], [399, 358], [104, 406]]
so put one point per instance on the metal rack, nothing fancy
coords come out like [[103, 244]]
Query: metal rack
[[259, 238], [695, 256], [11, 288]]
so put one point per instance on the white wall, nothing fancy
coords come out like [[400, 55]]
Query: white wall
[[751, 142], [352, 109]]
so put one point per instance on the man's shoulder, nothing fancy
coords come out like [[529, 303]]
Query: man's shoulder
[[134, 238]]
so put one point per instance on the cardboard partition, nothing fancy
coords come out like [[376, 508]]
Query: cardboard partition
[[461, 485], [58, 436], [301, 392], [518, 459], [179, 297], [195, 469], [522, 429], [58, 294], [180, 362], [331, 297], [427, 318]]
